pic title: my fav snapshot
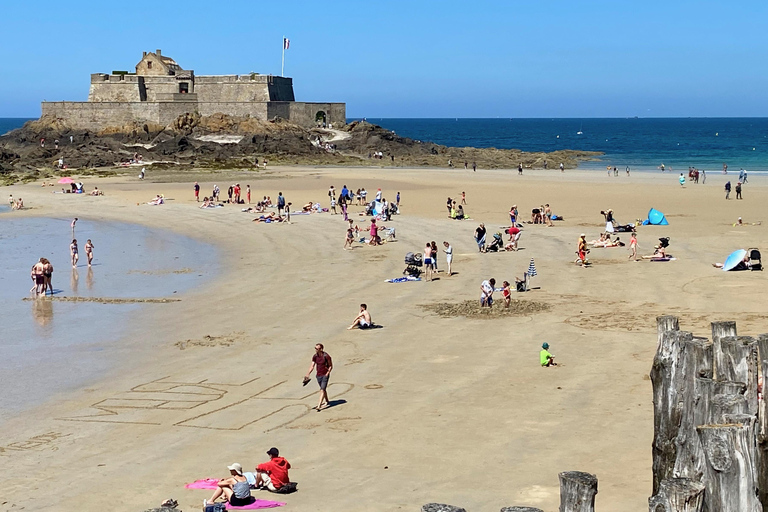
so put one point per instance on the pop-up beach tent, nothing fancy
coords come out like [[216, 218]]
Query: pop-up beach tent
[[655, 218]]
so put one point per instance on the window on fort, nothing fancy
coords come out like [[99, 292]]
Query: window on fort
[[149, 64], [183, 88]]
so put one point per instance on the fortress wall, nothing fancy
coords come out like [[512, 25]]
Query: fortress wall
[[303, 113], [231, 91], [255, 110], [98, 115], [113, 88], [160, 85]]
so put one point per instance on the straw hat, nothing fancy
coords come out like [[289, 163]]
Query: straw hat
[[237, 468]]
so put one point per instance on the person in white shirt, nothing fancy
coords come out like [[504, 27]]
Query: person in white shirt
[[486, 296]]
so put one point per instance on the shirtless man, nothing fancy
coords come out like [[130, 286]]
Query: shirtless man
[[363, 320], [38, 276]]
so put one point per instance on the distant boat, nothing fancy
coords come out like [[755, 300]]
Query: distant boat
[[580, 132]]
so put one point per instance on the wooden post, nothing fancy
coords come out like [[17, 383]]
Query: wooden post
[[678, 495], [693, 391], [664, 324], [577, 491], [731, 469], [727, 404], [736, 360], [721, 329], [730, 388], [762, 426]]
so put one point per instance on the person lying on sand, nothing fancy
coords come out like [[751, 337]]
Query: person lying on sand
[[96, 192], [743, 264], [159, 199], [235, 489], [270, 217], [363, 319]]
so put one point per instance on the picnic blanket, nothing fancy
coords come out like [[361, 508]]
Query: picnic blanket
[[206, 483]]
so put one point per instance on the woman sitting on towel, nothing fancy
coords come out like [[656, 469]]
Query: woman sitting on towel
[[235, 489]]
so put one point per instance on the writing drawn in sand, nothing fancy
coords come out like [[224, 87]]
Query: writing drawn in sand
[[207, 404]]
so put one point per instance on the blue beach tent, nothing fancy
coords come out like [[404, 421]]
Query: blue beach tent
[[655, 218]]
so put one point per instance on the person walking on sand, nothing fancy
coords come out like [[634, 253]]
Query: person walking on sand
[[397, 201], [727, 189], [562, 167], [474, 166], [633, 247], [197, 192], [548, 215], [520, 169], [448, 256], [463, 198], [248, 193], [322, 364], [738, 190], [89, 251], [480, 237]]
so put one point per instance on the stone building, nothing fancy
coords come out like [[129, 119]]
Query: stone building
[[160, 90]]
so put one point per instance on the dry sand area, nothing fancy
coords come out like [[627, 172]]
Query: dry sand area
[[452, 409]]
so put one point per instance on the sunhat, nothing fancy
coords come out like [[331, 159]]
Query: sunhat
[[236, 467]]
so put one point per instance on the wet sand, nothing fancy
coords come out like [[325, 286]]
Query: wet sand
[[132, 264], [450, 409]]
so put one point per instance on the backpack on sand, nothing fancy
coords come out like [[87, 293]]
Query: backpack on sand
[[288, 488]]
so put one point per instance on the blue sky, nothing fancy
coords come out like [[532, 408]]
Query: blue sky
[[534, 58]]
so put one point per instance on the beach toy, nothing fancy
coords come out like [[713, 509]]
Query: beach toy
[[734, 259]]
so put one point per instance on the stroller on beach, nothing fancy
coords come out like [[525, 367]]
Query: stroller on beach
[[413, 264]]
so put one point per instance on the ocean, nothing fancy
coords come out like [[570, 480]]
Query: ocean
[[641, 143]]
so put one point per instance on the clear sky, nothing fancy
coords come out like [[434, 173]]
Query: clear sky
[[514, 58]]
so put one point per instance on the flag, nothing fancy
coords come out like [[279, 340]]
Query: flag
[[286, 43], [531, 269]]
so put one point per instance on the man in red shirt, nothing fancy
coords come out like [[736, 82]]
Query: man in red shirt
[[323, 364], [514, 237], [237, 193], [273, 475]]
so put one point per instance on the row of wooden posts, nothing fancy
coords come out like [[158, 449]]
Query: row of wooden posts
[[710, 427]]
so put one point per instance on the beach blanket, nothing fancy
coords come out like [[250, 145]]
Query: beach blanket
[[257, 505], [403, 279], [206, 483]]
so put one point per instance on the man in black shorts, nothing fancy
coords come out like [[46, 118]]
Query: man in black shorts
[[322, 364], [280, 204]]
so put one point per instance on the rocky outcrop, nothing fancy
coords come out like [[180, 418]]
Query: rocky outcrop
[[222, 141]]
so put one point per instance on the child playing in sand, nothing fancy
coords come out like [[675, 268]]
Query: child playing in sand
[[545, 358], [350, 238], [506, 293]]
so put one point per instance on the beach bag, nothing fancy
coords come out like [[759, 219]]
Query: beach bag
[[288, 488], [216, 507]]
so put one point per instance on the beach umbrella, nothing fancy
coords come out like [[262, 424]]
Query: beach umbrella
[[734, 259], [65, 181], [532, 269]]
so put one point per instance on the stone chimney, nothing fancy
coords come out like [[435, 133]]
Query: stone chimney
[[143, 54], [158, 52]]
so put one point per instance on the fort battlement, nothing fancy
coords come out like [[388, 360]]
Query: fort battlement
[[160, 90]]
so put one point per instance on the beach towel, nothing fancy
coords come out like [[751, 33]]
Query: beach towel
[[257, 505], [206, 483], [403, 279]]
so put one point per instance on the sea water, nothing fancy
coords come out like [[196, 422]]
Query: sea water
[[641, 143], [48, 346]]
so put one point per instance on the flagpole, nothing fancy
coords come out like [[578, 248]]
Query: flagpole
[[282, 66]]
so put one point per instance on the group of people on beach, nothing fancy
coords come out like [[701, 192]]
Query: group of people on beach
[[236, 488]]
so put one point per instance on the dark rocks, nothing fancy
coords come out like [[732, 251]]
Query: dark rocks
[[439, 507]]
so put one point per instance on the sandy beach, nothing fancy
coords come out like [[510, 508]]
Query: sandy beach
[[426, 409]]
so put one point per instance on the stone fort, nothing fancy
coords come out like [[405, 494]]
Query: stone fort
[[160, 91]]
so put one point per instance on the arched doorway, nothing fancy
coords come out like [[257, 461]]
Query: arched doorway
[[320, 118]]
